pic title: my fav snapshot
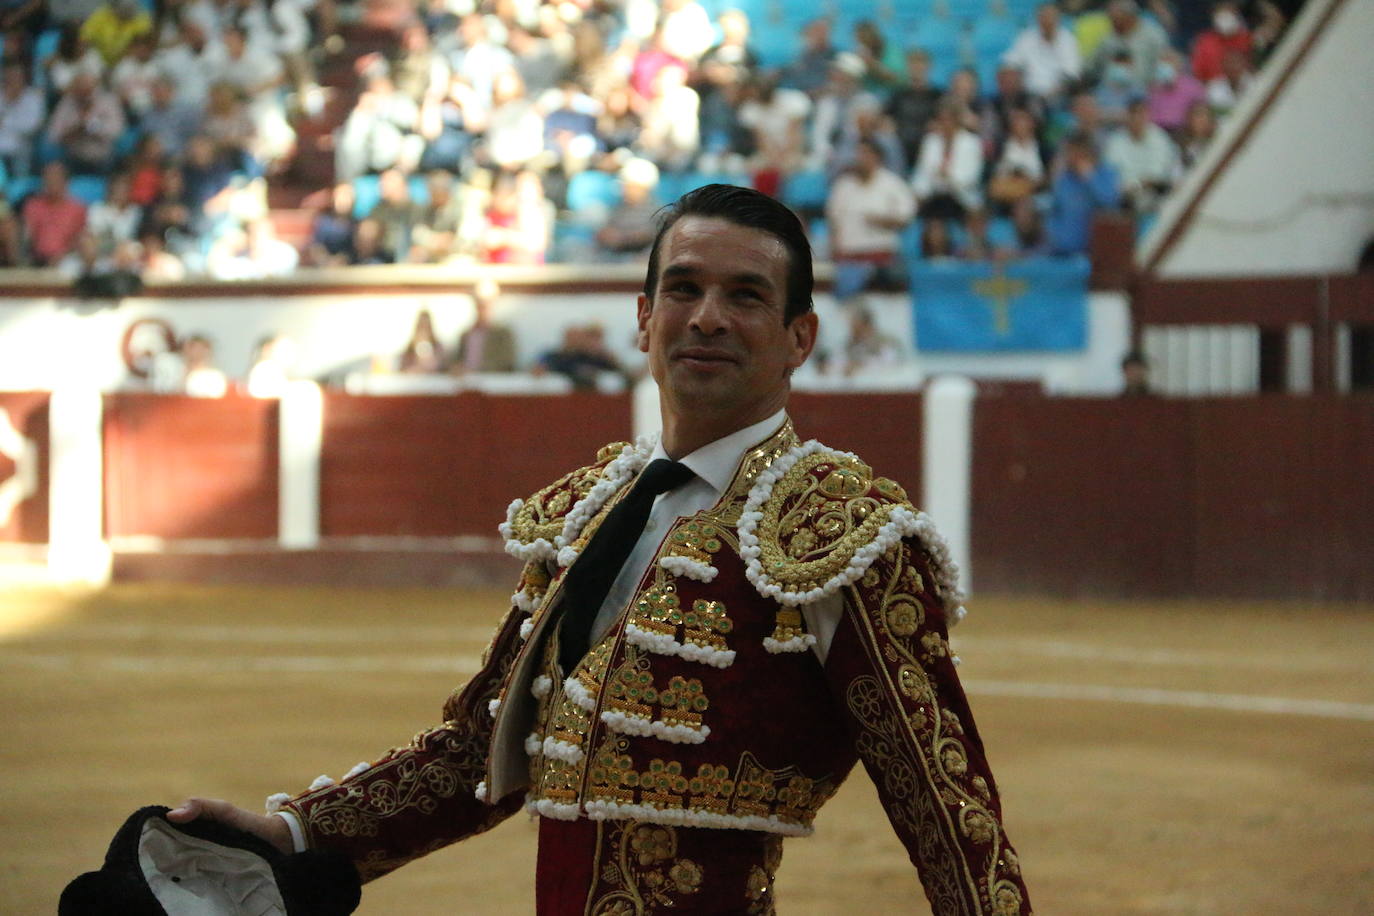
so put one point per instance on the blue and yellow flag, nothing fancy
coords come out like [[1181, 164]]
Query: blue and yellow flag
[[1032, 304]]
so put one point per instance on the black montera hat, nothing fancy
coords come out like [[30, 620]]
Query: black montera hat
[[157, 868]]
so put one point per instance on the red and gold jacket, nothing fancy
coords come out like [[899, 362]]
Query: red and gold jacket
[[704, 705]]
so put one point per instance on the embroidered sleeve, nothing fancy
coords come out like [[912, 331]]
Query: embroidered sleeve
[[421, 797], [891, 669]]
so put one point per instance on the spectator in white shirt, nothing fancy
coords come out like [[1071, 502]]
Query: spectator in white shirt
[[21, 117], [132, 78], [867, 209], [114, 219], [950, 167], [1145, 158], [1047, 54]]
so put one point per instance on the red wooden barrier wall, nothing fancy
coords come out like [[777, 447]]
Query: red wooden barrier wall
[[182, 467], [884, 429], [443, 466], [28, 412], [1258, 497]]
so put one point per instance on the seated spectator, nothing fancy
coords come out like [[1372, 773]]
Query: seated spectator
[[950, 168], [1236, 76], [975, 244], [331, 232], [1228, 33], [671, 133], [206, 172], [1084, 186], [1173, 92], [810, 71], [159, 264], [687, 30], [583, 359], [867, 348], [776, 119], [630, 227], [202, 378], [570, 140], [52, 218], [937, 242], [1047, 54], [168, 118], [11, 236], [73, 56], [270, 371], [1145, 159], [258, 75], [232, 129], [479, 59], [1083, 117], [1198, 130], [22, 110], [113, 25], [417, 69], [719, 81], [112, 275], [618, 125], [192, 57], [868, 123], [975, 111], [396, 212], [1029, 232], [867, 209], [834, 109], [912, 105], [444, 126], [1135, 375], [251, 252], [1020, 171], [1140, 40], [434, 237], [538, 62], [367, 245], [519, 220], [424, 354], [513, 135], [133, 77], [86, 123], [1011, 95], [172, 216], [884, 67], [22, 17], [485, 346], [144, 167], [1117, 90], [115, 219], [380, 132]]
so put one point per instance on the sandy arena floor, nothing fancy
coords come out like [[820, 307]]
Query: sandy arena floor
[[1153, 758]]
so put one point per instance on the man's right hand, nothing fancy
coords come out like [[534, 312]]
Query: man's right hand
[[272, 829]]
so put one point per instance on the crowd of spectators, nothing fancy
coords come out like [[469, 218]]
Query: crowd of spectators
[[147, 135]]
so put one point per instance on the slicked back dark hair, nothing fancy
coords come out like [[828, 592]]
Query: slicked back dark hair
[[754, 210]]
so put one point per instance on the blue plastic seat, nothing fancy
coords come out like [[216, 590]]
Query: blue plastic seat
[[593, 190], [805, 190], [992, 36], [89, 189], [367, 191]]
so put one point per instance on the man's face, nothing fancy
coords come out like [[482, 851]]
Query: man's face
[[714, 329]]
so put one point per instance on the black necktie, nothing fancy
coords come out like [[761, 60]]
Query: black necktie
[[591, 576]]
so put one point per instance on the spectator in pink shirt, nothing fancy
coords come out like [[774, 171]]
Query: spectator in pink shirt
[[1172, 92], [53, 219]]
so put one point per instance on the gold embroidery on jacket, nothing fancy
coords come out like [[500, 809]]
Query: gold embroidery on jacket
[[642, 873], [935, 734]]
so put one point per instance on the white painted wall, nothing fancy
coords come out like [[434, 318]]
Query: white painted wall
[[46, 343]]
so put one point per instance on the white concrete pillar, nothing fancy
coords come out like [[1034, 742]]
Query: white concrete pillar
[[301, 440], [77, 551], [947, 464], [645, 417]]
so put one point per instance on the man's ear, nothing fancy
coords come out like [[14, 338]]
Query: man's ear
[[643, 307], [802, 330]]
